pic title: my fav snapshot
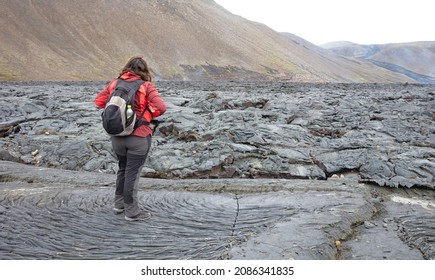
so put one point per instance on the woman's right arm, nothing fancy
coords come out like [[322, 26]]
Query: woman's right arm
[[155, 102]]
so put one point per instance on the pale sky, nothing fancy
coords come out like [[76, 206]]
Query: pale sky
[[357, 21]]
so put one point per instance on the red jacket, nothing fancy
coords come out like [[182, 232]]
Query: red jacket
[[147, 95]]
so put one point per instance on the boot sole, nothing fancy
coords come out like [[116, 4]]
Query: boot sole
[[118, 210], [142, 218]]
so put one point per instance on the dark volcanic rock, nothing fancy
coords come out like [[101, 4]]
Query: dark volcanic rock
[[46, 213], [235, 130], [270, 171]]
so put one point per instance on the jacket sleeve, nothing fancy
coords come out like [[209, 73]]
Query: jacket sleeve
[[155, 102], [102, 96]]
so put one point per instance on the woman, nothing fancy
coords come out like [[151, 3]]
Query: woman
[[132, 150]]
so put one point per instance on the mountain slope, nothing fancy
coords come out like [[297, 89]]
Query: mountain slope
[[181, 39], [415, 60]]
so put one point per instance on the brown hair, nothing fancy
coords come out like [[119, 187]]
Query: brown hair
[[137, 65]]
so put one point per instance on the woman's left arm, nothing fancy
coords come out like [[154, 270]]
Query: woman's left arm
[[102, 96]]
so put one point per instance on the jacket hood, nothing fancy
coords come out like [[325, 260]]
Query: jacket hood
[[130, 76]]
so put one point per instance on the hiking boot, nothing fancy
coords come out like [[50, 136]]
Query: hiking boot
[[142, 216], [118, 210]]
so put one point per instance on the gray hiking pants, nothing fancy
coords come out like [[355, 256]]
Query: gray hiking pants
[[132, 152]]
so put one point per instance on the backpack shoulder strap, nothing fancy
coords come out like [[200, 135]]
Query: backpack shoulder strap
[[131, 87]]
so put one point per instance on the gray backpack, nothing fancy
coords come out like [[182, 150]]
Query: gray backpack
[[117, 119]]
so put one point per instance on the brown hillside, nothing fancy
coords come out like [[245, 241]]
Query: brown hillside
[[414, 59], [194, 40], [417, 56]]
